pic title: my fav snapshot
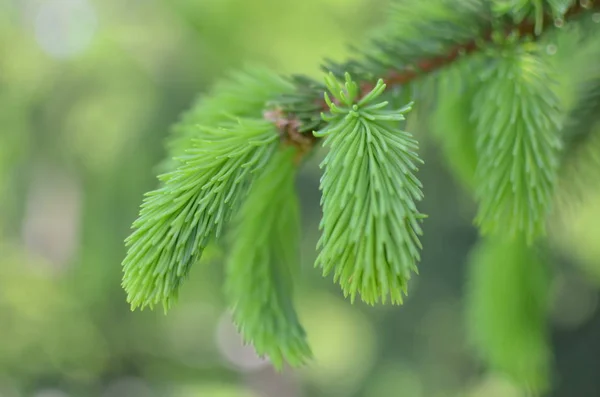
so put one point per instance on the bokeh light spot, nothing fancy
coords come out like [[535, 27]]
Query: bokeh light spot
[[65, 28], [342, 339], [231, 346]]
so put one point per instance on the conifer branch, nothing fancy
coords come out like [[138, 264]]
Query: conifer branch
[[507, 300], [517, 167], [370, 226], [233, 156], [428, 65], [525, 28], [192, 206], [263, 260]]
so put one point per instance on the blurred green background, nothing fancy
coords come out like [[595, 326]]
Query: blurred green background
[[88, 90]]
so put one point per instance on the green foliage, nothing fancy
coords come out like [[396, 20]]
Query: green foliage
[[262, 262], [559, 7], [192, 206], [518, 123], [581, 160], [370, 224], [70, 177], [243, 94], [519, 10], [507, 302], [498, 117], [583, 118], [304, 103], [579, 50], [416, 30], [453, 129]]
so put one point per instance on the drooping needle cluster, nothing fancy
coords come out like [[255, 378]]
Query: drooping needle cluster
[[370, 225]]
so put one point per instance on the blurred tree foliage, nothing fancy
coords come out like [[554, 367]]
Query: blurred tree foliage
[[88, 90]]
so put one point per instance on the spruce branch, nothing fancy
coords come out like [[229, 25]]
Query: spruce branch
[[474, 29], [507, 301], [370, 225], [452, 128], [256, 126], [263, 260], [524, 28], [518, 122], [581, 160], [192, 206]]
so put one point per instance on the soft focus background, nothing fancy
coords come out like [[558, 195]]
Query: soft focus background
[[88, 90]]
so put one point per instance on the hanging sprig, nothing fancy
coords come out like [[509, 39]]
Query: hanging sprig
[[193, 204], [263, 260], [518, 123], [507, 302], [452, 127], [371, 225]]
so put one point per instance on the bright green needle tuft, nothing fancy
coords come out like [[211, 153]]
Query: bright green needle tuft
[[371, 225], [507, 305], [262, 263], [193, 204], [518, 123]]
